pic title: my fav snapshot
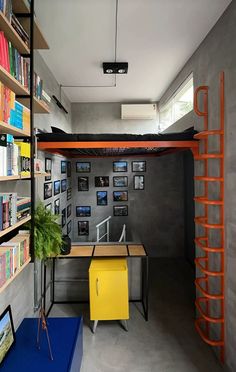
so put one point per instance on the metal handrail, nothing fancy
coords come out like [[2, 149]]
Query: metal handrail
[[107, 233]]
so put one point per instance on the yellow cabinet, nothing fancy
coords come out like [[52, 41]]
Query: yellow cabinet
[[108, 289]]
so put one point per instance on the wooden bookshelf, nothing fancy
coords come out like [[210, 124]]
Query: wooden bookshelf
[[20, 6], [12, 35], [9, 178], [7, 79], [7, 128], [6, 284], [39, 106], [18, 224]]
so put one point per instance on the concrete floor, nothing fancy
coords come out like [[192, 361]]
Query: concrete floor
[[168, 342]]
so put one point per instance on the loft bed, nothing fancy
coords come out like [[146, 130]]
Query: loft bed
[[95, 145]]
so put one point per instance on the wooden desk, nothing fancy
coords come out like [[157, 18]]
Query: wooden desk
[[105, 251]]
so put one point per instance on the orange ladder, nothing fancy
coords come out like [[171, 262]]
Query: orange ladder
[[206, 299]]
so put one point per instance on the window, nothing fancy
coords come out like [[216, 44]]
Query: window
[[178, 105]]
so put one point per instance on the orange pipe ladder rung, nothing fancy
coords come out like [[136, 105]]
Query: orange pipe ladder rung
[[201, 221], [203, 200], [198, 261], [209, 179], [208, 156], [207, 318], [206, 133], [204, 337], [208, 295], [206, 248]]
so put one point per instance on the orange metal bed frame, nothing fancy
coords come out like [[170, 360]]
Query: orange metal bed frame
[[204, 298]]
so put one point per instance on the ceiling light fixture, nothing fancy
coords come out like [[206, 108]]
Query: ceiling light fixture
[[115, 67]]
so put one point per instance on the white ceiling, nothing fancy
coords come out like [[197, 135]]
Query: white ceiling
[[156, 38]]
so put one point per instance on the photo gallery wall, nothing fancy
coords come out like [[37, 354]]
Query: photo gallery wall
[[120, 196], [56, 188]]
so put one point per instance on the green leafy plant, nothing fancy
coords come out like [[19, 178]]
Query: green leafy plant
[[47, 233]]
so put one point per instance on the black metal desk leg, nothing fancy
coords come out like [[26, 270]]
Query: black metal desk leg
[[44, 284], [145, 286]]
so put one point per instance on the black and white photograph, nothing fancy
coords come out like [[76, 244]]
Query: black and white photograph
[[69, 193], [83, 228], [63, 166], [120, 181], [68, 169], [139, 166], [83, 211], [101, 197], [68, 210], [120, 196], [48, 169], [83, 183], [57, 206], [102, 181], [120, 210], [68, 227], [48, 207], [138, 182], [63, 217], [47, 190], [57, 187], [63, 185], [120, 166], [83, 167]]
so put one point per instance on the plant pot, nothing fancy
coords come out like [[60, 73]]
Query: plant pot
[[66, 245]]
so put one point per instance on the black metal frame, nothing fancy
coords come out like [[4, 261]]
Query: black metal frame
[[144, 286]]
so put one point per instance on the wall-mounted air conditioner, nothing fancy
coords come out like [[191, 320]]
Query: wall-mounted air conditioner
[[139, 112]]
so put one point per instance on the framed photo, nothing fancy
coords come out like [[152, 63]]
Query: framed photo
[[69, 193], [48, 169], [68, 169], [48, 207], [101, 197], [120, 166], [120, 181], [120, 210], [63, 166], [138, 166], [138, 182], [57, 187], [83, 167], [83, 228], [63, 217], [57, 206], [102, 181], [83, 211], [7, 332], [83, 183], [68, 210], [120, 196], [63, 185], [68, 227], [47, 190]]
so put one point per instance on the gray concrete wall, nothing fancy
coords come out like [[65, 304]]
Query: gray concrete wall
[[217, 53], [156, 214], [106, 118]]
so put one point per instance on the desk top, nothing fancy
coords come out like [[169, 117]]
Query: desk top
[[106, 250]]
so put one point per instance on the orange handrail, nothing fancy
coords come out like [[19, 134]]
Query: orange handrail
[[204, 319]]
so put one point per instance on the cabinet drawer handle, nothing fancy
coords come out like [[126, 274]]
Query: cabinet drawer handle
[[97, 286]]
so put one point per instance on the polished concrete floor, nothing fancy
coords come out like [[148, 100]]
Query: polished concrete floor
[[168, 342]]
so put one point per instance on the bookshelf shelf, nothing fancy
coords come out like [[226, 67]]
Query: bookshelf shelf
[[18, 224], [6, 128], [39, 106], [6, 284], [9, 178], [12, 35], [20, 6]]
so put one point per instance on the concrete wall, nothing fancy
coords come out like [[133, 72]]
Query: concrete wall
[[217, 53], [156, 214], [106, 118]]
